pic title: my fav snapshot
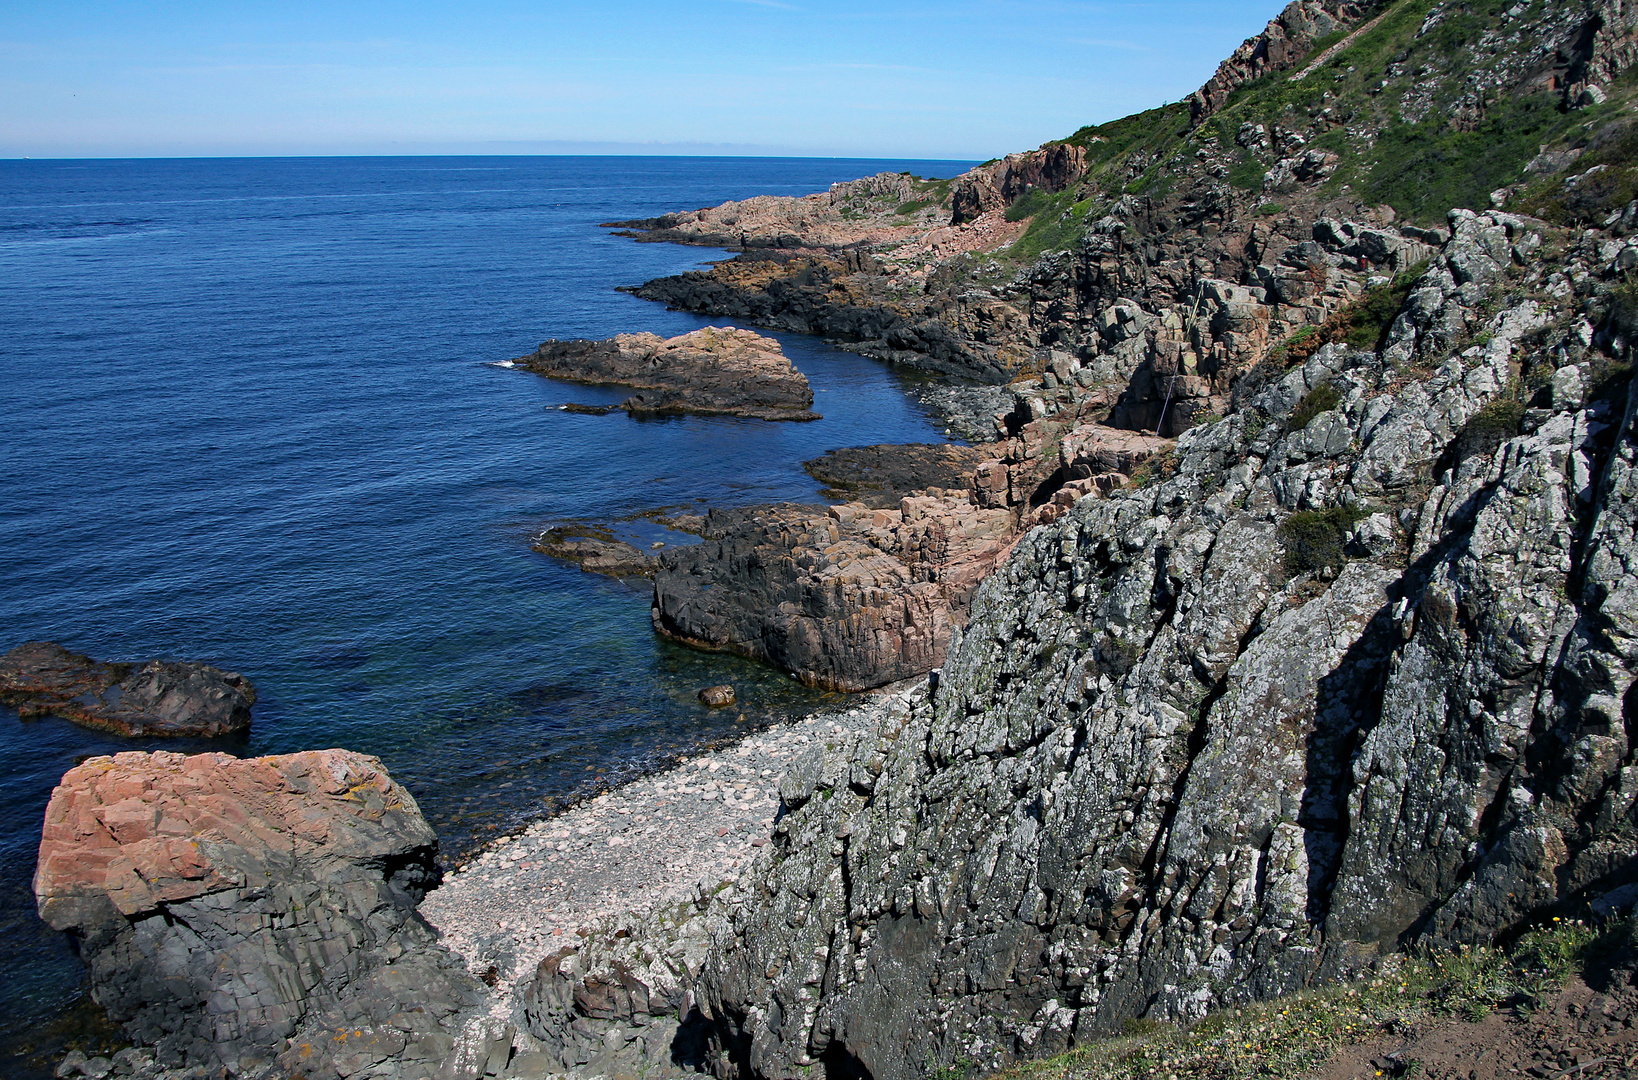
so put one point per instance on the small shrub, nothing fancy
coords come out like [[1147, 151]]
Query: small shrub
[[1364, 324], [1269, 209], [1247, 173], [1614, 154], [1314, 538], [1029, 204], [1322, 398], [1489, 428]]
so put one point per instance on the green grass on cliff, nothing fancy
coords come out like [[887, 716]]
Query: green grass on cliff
[[1058, 223], [1422, 169], [1296, 1035]]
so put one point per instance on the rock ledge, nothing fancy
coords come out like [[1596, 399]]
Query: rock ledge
[[161, 697]]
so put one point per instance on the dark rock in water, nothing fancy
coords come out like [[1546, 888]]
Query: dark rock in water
[[160, 697], [713, 372], [596, 551], [881, 476], [846, 599], [718, 697], [255, 915]]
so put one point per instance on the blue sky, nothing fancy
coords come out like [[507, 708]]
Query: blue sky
[[900, 78]]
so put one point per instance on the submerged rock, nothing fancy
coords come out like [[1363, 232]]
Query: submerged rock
[[257, 915], [161, 697], [716, 371], [596, 551], [881, 476], [717, 697]]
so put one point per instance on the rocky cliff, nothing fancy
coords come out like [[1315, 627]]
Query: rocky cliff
[[1351, 673], [1169, 250], [1347, 668], [1289, 623]]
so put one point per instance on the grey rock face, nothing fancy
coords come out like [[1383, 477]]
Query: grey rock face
[[1158, 774], [623, 999]]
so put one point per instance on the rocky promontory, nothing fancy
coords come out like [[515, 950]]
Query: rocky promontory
[[255, 915], [717, 371], [160, 697]]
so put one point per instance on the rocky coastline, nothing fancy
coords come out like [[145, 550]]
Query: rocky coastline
[[1285, 627]]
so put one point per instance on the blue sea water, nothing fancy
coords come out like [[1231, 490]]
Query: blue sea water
[[253, 417]]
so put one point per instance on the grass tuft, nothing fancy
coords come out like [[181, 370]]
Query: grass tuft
[[1294, 1036]]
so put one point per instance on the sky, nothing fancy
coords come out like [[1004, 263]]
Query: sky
[[954, 79]]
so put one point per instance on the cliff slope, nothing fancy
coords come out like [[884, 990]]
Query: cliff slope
[[1345, 671]]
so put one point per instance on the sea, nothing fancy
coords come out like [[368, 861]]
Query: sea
[[257, 413]]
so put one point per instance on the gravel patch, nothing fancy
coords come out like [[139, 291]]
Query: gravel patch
[[650, 843]]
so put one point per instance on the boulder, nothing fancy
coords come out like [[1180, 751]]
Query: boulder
[[717, 697], [845, 599], [255, 915], [160, 697], [716, 371]]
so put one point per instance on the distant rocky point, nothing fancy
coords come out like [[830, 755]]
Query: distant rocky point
[[160, 697], [717, 371]]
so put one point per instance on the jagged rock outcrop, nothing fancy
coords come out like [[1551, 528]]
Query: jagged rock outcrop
[[717, 371], [867, 593], [161, 697], [1170, 766], [1351, 670], [996, 187], [1287, 39], [848, 598], [620, 1001], [257, 915], [1171, 264]]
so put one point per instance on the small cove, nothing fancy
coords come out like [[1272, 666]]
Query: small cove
[[257, 421]]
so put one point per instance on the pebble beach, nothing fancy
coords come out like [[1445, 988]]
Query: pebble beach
[[647, 844]]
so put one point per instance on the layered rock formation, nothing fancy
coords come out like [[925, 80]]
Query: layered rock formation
[[1353, 673], [257, 915], [711, 372], [161, 697], [847, 598]]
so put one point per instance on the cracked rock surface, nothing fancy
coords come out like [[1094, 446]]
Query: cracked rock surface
[[1169, 765]]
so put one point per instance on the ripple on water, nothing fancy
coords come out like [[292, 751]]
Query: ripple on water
[[260, 416]]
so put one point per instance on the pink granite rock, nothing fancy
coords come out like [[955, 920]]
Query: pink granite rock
[[238, 913]]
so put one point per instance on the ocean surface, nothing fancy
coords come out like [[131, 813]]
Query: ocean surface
[[255, 415]]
